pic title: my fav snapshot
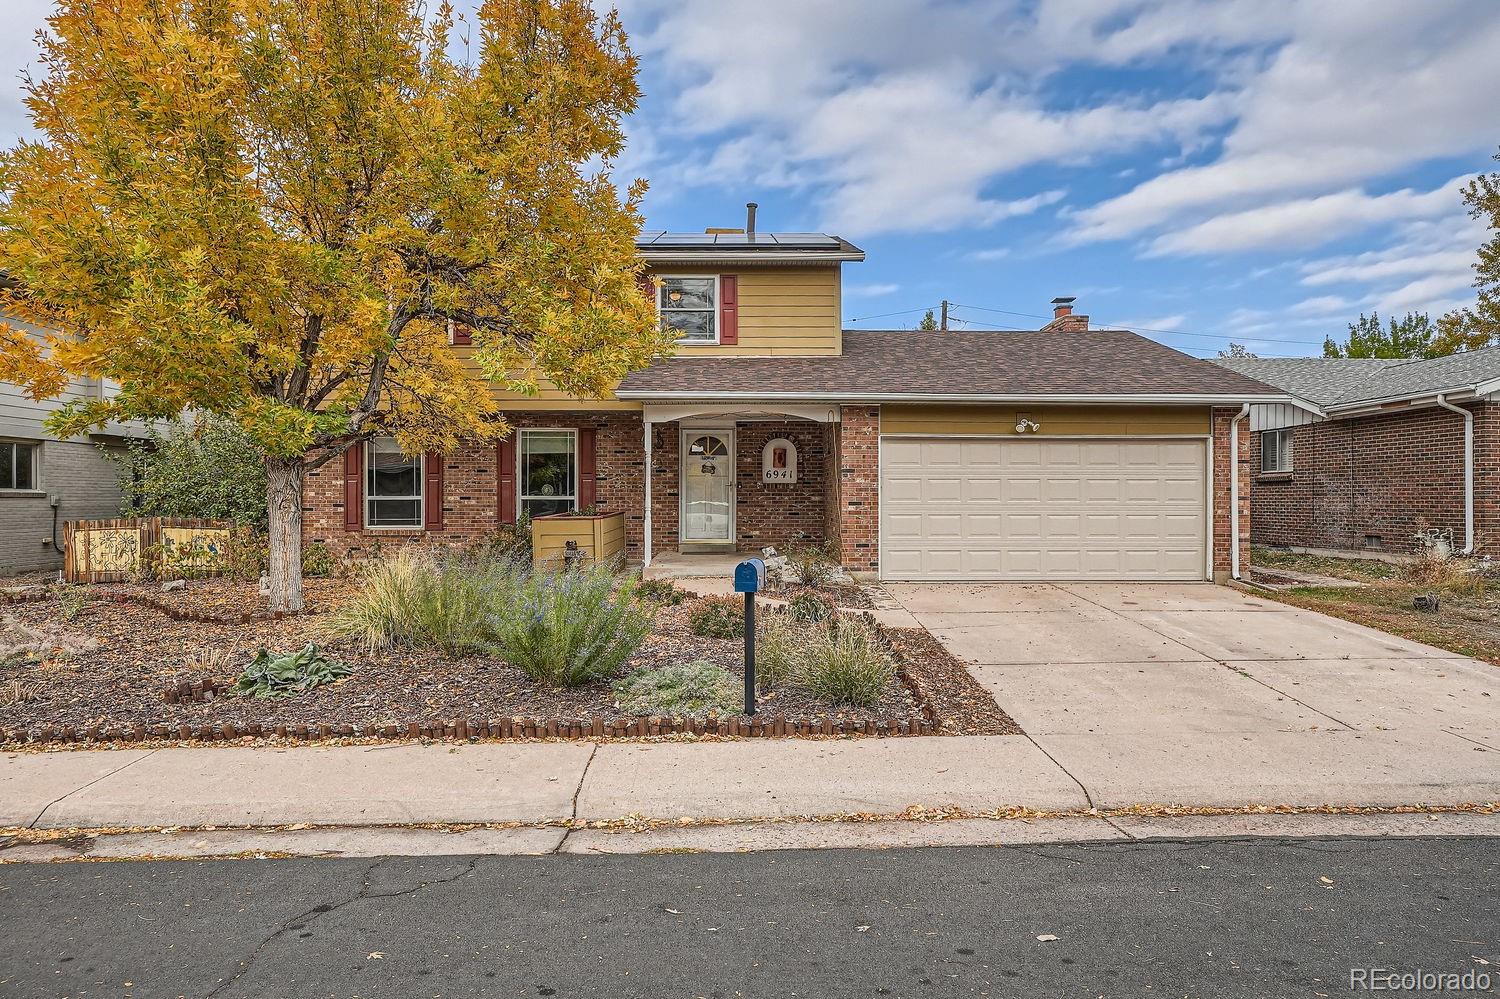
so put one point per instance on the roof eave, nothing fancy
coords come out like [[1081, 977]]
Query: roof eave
[[1426, 397], [861, 398], [718, 256]]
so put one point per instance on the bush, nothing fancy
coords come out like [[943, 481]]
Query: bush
[[812, 564], [811, 608], [317, 560], [679, 689], [571, 627], [206, 467], [847, 664], [288, 674], [660, 591], [418, 601], [717, 617], [512, 542], [780, 642]]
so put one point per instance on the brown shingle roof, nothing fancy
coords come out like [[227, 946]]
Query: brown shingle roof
[[982, 364]]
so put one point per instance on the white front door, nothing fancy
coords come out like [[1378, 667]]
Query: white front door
[[707, 487]]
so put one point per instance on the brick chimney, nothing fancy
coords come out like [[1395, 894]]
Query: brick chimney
[[1063, 319]]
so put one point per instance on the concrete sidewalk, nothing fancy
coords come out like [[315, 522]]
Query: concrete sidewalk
[[559, 782]]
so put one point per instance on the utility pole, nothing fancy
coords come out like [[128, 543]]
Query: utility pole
[[944, 324]]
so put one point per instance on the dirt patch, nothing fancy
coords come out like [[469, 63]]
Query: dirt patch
[[852, 596]]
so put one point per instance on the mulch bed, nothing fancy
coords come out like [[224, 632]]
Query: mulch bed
[[852, 596], [143, 680]]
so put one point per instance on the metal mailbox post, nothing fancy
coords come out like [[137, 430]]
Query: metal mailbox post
[[749, 579]]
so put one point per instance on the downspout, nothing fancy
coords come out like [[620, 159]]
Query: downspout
[[1468, 472], [1234, 491], [646, 555]]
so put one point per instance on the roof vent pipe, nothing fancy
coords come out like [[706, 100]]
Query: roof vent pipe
[[750, 208]]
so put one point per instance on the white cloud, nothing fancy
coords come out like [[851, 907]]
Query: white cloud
[[870, 290], [1322, 305], [1156, 323], [989, 255]]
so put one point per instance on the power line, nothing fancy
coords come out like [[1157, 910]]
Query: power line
[[903, 312]]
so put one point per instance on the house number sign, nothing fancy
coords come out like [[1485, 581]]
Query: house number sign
[[778, 461]]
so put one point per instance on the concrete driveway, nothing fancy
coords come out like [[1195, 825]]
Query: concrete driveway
[[1150, 684]]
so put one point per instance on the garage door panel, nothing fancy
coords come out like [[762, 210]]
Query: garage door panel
[[1035, 509]]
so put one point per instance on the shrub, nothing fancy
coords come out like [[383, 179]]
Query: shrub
[[512, 542], [811, 608], [847, 664], [571, 627], [660, 591], [418, 601], [318, 560], [717, 617], [288, 674], [679, 689], [812, 564], [780, 642], [206, 467]]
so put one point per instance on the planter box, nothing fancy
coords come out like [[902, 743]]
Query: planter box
[[600, 536]]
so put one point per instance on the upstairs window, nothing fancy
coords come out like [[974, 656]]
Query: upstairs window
[[1276, 451], [17, 465], [689, 307], [393, 485]]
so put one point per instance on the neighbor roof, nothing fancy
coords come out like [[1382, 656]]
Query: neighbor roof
[[897, 364], [1344, 382], [705, 247]]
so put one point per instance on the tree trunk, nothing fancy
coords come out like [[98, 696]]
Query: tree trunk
[[284, 531]]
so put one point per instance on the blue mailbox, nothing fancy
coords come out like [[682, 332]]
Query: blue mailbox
[[750, 576]]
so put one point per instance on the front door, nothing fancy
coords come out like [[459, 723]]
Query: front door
[[708, 488]]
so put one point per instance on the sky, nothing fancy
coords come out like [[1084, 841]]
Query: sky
[[1255, 171]]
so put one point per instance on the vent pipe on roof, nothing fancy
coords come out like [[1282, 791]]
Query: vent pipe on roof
[[750, 208]]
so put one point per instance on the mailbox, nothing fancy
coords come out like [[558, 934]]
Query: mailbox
[[750, 576]]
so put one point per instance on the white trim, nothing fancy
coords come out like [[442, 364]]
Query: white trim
[[366, 497], [852, 399], [729, 435], [1061, 437], [521, 497], [1282, 457], [715, 257], [715, 310], [673, 414], [1468, 416], [1208, 492], [646, 553]]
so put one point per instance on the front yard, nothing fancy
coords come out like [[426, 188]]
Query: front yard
[[120, 662], [1467, 620]]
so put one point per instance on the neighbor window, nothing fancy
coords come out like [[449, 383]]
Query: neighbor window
[[17, 465], [688, 306], [1276, 451], [393, 485], [548, 476]]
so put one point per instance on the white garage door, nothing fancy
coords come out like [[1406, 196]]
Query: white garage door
[[1002, 509]]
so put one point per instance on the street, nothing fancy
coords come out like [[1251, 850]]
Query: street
[[1210, 918]]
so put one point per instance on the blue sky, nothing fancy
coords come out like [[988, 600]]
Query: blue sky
[[1261, 170]]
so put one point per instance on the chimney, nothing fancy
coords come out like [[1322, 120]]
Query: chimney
[[750, 208], [1063, 319]]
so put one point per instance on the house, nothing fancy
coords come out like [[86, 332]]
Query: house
[[44, 481], [1396, 448], [1060, 453]]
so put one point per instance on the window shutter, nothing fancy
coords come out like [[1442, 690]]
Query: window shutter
[[729, 309], [459, 336], [505, 479], [432, 491], [354, 487], [588, 469], [647, 286]]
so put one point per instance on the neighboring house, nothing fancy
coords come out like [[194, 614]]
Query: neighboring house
[[1387, 461], [45, 481], [1062, 453]]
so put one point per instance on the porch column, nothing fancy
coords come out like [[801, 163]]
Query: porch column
[[646, 553]]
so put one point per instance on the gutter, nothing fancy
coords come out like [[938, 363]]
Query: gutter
[[1442, 400], [848, 398], [752, 257], [1234, 491]]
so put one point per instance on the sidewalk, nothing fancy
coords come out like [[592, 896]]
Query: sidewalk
[[561, 782]]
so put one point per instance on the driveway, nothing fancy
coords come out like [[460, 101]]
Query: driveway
[[1142, 682]]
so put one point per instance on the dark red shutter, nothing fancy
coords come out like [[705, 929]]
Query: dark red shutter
[[505, 484], [647, 285], [432, 491], [588, 469], [461, 336], [354, 488], [729, 308]]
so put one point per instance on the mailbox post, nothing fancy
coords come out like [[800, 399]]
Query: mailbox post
[[749, 577]]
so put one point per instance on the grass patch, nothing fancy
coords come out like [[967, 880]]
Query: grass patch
[[680, 690], [1324, 565]]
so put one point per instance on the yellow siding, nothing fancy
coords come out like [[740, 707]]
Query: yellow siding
[[783, 311], [1102, 421], [548, 397]]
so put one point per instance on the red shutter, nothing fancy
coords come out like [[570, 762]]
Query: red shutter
[[729, 308], [460, 336], [432, 491], [505, 479], [647, 285], [588, 469], [354, 487]]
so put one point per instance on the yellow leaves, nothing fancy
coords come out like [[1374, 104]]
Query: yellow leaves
[[24, 362]]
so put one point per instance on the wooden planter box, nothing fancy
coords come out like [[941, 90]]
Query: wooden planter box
[[599, 536]]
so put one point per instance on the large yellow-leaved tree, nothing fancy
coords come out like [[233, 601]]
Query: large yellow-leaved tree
[[280, 210]]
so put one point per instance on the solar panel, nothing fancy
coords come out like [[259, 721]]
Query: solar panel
[[804, 239]]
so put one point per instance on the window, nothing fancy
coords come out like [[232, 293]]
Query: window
[[1276, 451], [17, 465], [689, 306], [393, 486], [548, 476]]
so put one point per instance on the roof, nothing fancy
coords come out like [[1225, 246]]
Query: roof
[[914, 364], [660, 246], [1345, 382]]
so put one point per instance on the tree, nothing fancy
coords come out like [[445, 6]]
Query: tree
[[929, 321], [1411, 336], [1237, 350], [279, 211], [205, 468], [1479, 325]]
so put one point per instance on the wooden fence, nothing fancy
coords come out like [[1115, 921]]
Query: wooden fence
[[107, 551]]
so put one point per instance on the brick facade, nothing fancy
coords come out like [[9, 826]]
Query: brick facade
[[781, 514], [859, 488], [1222, 504], [1374, 482]]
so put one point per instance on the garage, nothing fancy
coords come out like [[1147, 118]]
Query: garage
[[1038, 508]]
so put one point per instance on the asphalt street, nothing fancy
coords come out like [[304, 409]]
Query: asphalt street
[[1203, 918]]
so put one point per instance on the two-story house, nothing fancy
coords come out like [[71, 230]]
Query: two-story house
[[1060, 453]]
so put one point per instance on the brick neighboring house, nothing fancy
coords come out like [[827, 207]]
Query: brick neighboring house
[[1385, 461], [1060, 453]]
